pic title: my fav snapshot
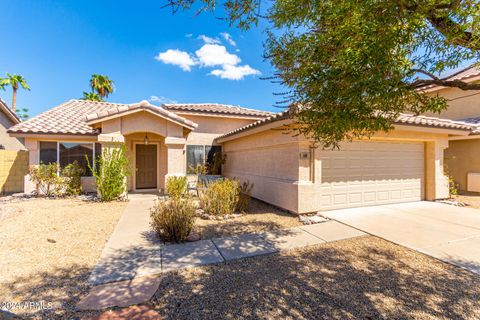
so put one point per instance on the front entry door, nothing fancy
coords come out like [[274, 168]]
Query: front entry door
[[146, 161]]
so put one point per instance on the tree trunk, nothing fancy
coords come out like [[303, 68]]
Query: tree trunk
[[14, 99]]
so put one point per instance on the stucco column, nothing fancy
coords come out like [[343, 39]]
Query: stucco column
[[175, 153], [435, 179]]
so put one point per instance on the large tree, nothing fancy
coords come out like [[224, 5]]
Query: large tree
[[352, 66], [15, 81]]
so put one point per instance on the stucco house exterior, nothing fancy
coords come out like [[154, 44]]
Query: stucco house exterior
[[8, 119], [462, 158], [288, 170]]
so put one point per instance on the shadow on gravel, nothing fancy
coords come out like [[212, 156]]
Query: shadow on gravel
[[62, 289], [362, 278]]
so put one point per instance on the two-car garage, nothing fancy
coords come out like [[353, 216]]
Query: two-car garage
[[371, 173]]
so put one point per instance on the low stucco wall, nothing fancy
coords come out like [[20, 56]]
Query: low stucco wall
[[13, 168], [462, 157]]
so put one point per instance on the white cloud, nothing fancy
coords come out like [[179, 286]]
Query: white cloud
[[228, 37], [215, 55], [208, 40], [232, 72], [212, 55], [177, 58], [189, 35], [161, 99]]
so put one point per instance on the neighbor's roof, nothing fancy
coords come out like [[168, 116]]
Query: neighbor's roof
[[467, 74], [9, 113], [215, 108], [70, 118], [406, 119]]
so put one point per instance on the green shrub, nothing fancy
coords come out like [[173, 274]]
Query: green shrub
[[72, 179], [45, 177], [173, 219], [220, 197], [110, 172], [177, 186], [244, 196]]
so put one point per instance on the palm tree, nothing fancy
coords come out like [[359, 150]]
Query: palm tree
[[15, 81], [103, 85], [91, 96]]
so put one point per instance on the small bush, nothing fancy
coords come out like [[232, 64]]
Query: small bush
[[173, 219], [45, 178], [110, 172], [244, 196], [220, 197], [177, 186], [72, 179]]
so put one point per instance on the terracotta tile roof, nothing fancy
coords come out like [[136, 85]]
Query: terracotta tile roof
[[406, 119], [464, 75], [9, 113], [143, 105], [71, 118], [215, 108]]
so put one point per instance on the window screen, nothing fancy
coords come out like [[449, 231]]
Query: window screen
[[195, 157], [71, 152]]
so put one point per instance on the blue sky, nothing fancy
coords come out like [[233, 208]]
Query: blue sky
[[57, 45]]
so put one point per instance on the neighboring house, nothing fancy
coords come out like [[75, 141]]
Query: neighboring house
[[287, 170], [462, 158], [8, 119], [13, 157]]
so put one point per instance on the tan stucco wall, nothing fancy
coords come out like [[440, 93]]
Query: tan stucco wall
[[462, 157], [9, 143], [210, 128], [462, 104], [13, 168], [271, 160]]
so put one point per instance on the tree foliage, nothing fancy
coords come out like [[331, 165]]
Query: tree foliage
[[102, 85], [15, 81], [351, 67]]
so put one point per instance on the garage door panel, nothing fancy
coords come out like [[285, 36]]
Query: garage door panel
[[368, 173]]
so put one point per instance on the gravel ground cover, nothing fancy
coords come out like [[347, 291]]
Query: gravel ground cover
[[472, 200], [260, 217], [48, 249], [361, 278]]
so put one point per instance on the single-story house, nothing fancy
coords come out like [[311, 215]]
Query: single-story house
[[287, 170], [462, 158], [8, 118]]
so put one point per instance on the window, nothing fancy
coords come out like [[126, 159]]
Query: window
[[48, 152], [65, 153], [200, 155]]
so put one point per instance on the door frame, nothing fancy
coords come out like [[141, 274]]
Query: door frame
[[135, 166]]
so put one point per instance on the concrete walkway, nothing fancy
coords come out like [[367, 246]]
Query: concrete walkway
[[446, 232], [133, 251]]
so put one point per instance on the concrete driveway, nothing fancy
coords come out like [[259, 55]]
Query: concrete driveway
[[446, 232]]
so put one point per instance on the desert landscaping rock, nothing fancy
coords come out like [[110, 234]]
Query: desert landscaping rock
[[291, 238], [242, 246], [131, 313], [332, 231], [120, 294], [186, 255]]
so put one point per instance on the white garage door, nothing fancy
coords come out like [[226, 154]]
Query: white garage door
[[371, 173]]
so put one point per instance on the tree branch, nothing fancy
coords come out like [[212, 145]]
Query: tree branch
[[449, 27], [429, 74]]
